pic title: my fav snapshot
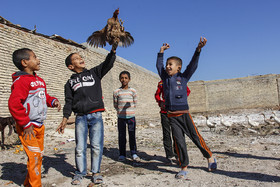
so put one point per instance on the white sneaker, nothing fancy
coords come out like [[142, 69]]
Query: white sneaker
[[136, 158]]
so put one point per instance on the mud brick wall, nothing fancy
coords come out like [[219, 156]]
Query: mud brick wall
[[52, 55], [240, 93], [206, 96], [197, 98]]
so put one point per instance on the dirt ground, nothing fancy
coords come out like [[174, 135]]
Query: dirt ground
[[244, 158]]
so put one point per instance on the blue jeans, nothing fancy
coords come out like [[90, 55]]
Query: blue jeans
[[131, 123], [92, 125]]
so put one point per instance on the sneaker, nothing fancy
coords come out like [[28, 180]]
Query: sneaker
[[122, 158], [136, 158]]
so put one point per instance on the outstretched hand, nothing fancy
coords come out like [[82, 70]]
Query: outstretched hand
[[201, 43], [61, 127], [115, 45], [164, 47], [57, 105]]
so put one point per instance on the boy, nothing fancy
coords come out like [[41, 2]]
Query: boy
[[176, 104], [83, 96], [125, 99], [28, 104], [166, 127]]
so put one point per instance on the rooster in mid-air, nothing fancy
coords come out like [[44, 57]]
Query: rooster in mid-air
[[113, 33]]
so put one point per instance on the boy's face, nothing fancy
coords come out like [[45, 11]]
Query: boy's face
[[78, 63], [32, 64], [172, 67], [124, 79]]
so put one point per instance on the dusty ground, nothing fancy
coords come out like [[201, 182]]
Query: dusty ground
[[244, 159]]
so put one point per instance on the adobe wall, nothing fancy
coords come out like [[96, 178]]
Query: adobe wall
[[230, 94], [206, 96], [52, 55]]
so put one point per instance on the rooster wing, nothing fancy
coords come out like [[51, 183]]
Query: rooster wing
[[98, 38], [126, 39]]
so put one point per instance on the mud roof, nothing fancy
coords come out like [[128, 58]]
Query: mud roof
[[52, 37]]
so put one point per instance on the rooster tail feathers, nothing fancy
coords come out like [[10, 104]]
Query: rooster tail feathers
[[97, 39], [126, 40]]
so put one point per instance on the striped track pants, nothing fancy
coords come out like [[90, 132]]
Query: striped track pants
[[34, 151], [181, 125]]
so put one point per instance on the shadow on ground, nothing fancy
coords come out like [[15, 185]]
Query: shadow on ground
[[240, 155], [148, 162], [17, 176], [58, 162]]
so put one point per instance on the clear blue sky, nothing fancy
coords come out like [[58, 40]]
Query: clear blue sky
[[243, 35]]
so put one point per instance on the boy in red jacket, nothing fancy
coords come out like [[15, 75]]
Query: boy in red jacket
[[28, 104], [166, 127]]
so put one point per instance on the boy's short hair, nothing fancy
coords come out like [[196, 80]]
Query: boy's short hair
[[19, 55], [124, 72], [177, 59], [68, 61]]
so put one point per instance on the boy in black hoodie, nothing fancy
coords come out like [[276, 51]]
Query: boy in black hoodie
[[83, 96]]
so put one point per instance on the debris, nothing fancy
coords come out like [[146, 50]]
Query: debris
[[70, 140], [152, 125], [218, 156], [252, 130], [278, 166], [10, 182]]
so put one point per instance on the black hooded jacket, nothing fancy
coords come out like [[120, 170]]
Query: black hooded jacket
[[83, 93]]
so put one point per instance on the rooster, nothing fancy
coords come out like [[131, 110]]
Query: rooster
[[113, 33]]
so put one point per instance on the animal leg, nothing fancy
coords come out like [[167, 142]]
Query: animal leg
[[10, 127], [2, 142]]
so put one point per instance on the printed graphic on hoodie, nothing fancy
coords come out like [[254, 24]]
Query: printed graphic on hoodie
[[36, 102], [83, 81]]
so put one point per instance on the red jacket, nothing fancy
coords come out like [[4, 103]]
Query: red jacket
[[29, 100], [159, 96]]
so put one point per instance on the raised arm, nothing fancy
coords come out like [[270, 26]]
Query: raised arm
[[160, 66], [105, 66], [164, 47], [201, 44], [194, 61]]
